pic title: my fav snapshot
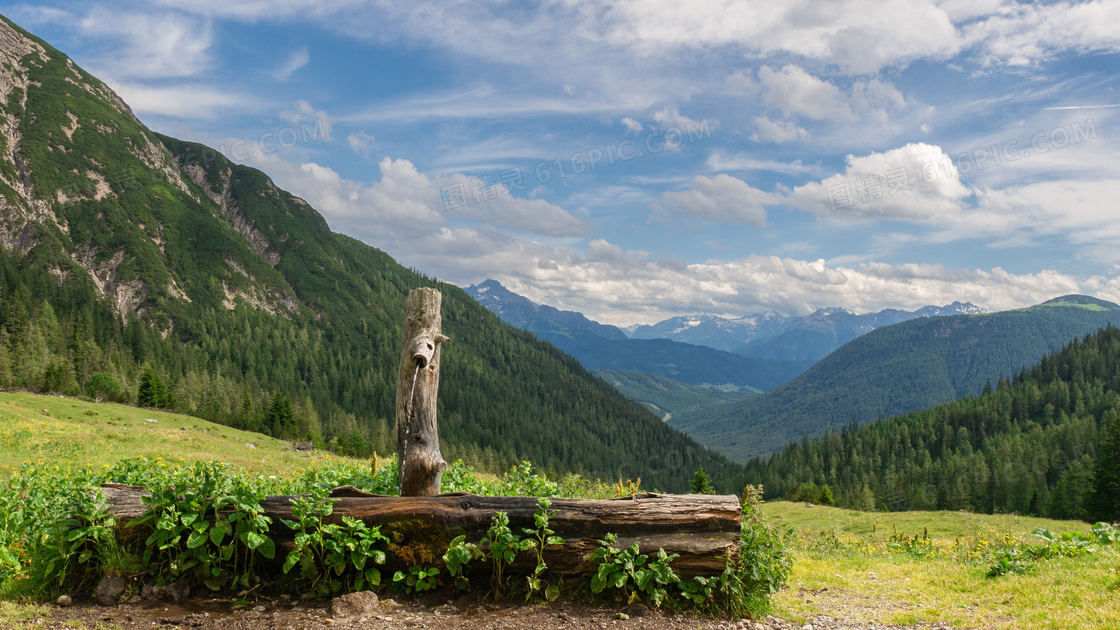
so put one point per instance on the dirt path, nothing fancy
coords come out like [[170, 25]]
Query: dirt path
[[283, 615]]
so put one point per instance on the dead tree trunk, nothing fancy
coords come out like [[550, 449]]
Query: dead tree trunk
[[703, 529], [418, 458]]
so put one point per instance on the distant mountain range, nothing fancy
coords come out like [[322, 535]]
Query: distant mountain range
[[773, 336], [905, 367], [601, 347], [562, 328]]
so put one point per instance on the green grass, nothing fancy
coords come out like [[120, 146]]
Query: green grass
[[71, 432], [941, 525], [861, 578]]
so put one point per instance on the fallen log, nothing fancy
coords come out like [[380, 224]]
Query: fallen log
[[703, 529]]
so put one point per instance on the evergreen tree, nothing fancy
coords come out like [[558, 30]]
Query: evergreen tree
[[1104, 502], [280, 416], [152, 392], [700, 483]]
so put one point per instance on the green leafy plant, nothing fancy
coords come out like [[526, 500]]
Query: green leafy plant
[[459, 554], [332, 558], [504, 547], [627, 570], [417, 579], [540, 538]]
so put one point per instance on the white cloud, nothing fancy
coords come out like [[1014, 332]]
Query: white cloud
[[406, 204], [718, 161], [739, 82], [150, 45], [361, 143], [767, 130], [795, 91], [671, 117], [915, 182], [621, 287], [295, 61], [722, 199], [183, 101], [632, 126], [303, 113], [1022, 34]]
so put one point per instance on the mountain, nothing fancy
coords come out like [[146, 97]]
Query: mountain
[[687, 363], [813, 337], [711, 330], [562, 328], [126, 256], [897, 369], [771, 336], [600, 347], [664, 396], [1035, 445]]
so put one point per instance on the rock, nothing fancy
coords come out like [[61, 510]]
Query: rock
[[303, 446], [637, 610], [177, 592], [64, 601], [808, 505], [359, 604], [110, 589]]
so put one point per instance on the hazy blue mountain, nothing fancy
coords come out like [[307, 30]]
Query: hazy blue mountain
[[711, 330], [563, 328], [600, 347], [773, 336], [813, 337]]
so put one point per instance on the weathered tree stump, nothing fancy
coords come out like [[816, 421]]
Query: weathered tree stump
[[418, 458], [703, 529]]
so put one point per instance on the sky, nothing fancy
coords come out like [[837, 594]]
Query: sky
[[643, 159]]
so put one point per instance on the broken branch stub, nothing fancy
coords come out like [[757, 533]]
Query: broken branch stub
[[418, 458]]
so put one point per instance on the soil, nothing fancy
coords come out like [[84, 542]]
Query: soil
[[462, 614]]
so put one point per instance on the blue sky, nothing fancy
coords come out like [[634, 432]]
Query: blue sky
[[644, 159]]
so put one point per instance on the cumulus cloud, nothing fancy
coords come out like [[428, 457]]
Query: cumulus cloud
[[304, 113], [671, 117], [632, 126], [407, 204], [767, 130], [622, 287], [740, 82], [915, 182], [723, 199], [795, 91], [361, 143]]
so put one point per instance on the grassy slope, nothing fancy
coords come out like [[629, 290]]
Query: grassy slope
[[1072, 593], [59, 431]]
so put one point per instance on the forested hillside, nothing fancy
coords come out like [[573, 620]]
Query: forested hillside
[[137, 267], [897, 369], [1044, 443]]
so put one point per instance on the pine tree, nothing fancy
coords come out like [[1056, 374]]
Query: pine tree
[[700, 483], [1104, 502], [280, 416], [152, 392]]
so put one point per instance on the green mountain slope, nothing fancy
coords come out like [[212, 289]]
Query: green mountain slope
[[1032, 446], [896, 369], [666, 397], [687, 363], [124, 251]]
